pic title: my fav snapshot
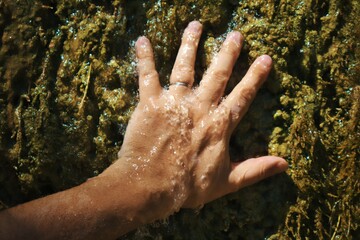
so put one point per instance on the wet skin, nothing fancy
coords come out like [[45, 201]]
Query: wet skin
[[175, 152]]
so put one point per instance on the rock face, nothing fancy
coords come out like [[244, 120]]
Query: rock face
[[68, 86]]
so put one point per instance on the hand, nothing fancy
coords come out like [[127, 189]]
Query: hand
[[175, 152], [177, 141]]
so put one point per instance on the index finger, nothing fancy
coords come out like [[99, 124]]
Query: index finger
[[215, 78]]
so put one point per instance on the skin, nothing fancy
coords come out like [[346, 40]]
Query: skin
[[175, 152]]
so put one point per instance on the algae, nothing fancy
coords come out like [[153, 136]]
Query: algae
[[68, 87]]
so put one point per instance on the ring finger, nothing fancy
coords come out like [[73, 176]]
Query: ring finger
[[183, 72]]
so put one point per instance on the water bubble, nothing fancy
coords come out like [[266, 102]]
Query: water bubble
[[135, 166], [153, 151], [204, 182]]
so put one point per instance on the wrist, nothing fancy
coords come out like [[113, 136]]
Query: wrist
[[137, 197]]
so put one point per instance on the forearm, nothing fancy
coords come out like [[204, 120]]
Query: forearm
[[101, 208]]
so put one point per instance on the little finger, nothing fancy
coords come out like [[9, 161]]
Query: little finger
[[149, 84]]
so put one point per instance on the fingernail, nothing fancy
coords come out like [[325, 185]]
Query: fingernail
[[194, 26], [265, 60], [235, 36], [142, 41]]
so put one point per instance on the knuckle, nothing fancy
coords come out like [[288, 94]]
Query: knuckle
[[242, 179], [232, 51], [261, 72], [184, 67], [149, 74], [221, 75], [143, 54], [146, 59], [183, 71], [188, 47], [262, 172], [235, 114], [190, 37], [246, 96]]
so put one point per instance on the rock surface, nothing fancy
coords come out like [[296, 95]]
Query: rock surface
[[68, 87]]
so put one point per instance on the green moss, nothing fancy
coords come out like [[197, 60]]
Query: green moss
[[69, 86]]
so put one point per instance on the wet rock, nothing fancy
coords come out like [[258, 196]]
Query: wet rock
[[69, 86]]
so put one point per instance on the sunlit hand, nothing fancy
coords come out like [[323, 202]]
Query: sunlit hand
[[175, 152], [177, 141]]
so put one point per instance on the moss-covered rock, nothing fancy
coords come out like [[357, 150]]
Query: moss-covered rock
[[68, 86]]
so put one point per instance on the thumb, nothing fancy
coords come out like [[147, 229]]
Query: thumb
[[254, 170]]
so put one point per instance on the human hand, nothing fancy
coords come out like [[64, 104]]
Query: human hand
[[177, 141], [175, 152]]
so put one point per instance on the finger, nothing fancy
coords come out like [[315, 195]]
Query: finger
[[183, 70], [243, 94], [149, 84], [254, 170], [214, 81]]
